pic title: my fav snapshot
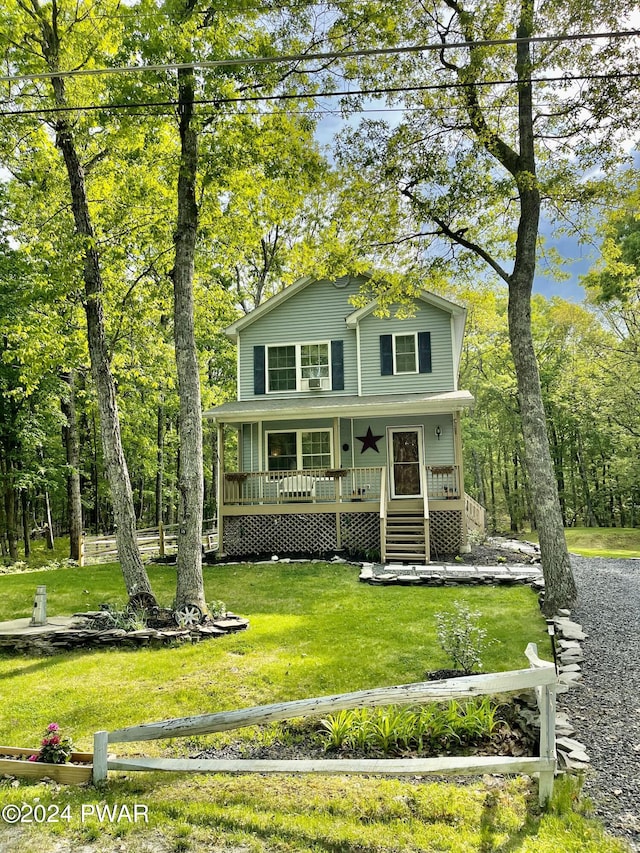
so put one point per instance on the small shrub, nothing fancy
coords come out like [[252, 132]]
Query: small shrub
[[217, 609], [461, 637], [54, 748], [125, 619], [395, 731], [337, 728]]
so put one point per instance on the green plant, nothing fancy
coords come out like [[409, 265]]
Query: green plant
[[217, 609], [338, 727], [430, 729], [54, 749], [116, 617], [461, 637]]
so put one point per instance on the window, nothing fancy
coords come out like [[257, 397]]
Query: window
[[314, 361], [298, 367], [299, 450], [282, 368], [404, 353]]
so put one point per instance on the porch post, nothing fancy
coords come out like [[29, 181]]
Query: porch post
[[220, 485], [457, 433], [337, 486]]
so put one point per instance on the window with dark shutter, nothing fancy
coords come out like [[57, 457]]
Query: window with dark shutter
[[424, 352], [386, 355], [258, 370], [337, 365]]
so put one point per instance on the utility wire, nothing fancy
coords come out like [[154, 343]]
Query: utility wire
[[323, 94], [297, 57]]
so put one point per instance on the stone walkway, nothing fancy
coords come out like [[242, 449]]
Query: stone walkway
[[452, 574]]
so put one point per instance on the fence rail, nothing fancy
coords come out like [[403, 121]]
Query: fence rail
[[541, 675], [160, 540]]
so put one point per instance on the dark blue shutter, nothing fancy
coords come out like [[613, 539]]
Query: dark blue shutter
[[424, 352], [258, 370], [337, 365], [386, 355]]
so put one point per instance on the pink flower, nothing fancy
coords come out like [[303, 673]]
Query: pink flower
[[54, 740], [53, 727], [33, 758]]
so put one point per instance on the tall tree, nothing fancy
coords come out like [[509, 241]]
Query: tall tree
[[44, 35], [464, 175]]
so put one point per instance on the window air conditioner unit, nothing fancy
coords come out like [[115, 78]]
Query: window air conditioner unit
[[315, 383]]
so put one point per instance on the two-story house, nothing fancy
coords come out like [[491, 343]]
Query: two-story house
[[348, 428]]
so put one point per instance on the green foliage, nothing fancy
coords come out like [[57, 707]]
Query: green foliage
[[461, 637], [119, 617], [217, 609], [427, 730], [55, 748]]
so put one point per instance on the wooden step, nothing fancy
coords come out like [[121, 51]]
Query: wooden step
[[397, 536], [406, 558]]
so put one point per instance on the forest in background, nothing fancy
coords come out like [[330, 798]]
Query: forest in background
[[273, 205]]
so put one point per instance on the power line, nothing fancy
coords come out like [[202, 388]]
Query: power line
[[297, 57], [391, 90]]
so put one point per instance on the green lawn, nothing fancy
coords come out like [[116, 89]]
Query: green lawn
[[314, 629], [614, 542]]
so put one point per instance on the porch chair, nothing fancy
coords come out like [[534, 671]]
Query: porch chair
[[297, 487]]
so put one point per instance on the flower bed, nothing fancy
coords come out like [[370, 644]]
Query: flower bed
[[14, 761]]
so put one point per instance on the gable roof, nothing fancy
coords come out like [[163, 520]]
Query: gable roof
[[271, 303], [458, 320], [458, 312]]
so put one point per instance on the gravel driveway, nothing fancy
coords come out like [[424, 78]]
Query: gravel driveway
[[606, 709]]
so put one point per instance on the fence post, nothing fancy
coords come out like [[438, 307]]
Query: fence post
[[161, 536], [81, 551], [100, 749], [547, 702]]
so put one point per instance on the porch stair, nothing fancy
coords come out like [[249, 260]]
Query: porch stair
[[405, 538]]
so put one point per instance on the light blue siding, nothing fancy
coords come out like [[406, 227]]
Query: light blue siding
[[427, 318], [437, 451], [315, 313]]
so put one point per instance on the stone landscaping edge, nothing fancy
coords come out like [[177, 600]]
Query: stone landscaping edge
[[50, 640]]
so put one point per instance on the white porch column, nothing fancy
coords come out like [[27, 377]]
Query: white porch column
[[220, 484], [457, 434]]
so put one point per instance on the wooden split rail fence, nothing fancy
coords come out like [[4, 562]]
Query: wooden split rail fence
[[160, 541], [541, 676]]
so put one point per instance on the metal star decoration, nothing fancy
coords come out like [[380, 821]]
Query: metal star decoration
[[369, 441]]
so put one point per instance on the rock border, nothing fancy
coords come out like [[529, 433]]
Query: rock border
[[55, 641]]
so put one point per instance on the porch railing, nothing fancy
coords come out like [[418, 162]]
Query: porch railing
[[321, 485]]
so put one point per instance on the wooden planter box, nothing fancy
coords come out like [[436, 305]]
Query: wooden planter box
[[69, 774]]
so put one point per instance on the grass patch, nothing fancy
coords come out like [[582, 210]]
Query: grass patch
[[612, 542], [313, 630], [319, 815]]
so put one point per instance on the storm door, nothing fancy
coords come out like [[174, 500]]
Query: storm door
[[405, 458]]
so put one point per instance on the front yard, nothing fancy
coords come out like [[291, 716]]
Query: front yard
[[314, 630]]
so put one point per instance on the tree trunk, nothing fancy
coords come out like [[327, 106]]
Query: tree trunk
[[26, 538], [160, 465], [72, 447], [560, 590], [135, 576], [190, 586]]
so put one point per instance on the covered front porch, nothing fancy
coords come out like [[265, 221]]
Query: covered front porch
[[378, 477]]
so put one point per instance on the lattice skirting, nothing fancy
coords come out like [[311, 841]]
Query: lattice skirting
[[309, 533], [445, 530], [360, 532]]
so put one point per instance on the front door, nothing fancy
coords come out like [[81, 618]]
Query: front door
[[405, 457]]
